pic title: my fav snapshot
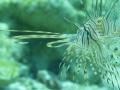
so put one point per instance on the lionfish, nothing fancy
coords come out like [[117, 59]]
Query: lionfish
[[97, 42]]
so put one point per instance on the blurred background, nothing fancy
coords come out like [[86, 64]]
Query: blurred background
[[34, 66]]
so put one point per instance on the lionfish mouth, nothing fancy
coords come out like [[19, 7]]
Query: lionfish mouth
[[97, 42]]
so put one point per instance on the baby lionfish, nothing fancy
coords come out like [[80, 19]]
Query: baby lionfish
[[97, 42]]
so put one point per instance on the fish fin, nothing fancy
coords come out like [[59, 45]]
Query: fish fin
[[59, 42], [66, 37]]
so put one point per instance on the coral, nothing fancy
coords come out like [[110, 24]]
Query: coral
[[69, 86], [43, 14], [9, 67], [26, 84], [54, 82], [9, 72]]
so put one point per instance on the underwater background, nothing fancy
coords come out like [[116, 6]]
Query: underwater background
[[34, 66]]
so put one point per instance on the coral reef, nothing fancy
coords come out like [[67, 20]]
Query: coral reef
[[47, 81], [9, 54], [26, 84], [9, 72], [43, 14]]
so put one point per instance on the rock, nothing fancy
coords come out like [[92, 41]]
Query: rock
[[26, 84], [9, 72]]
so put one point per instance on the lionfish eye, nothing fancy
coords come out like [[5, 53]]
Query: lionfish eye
[[116, 48], [87, 33]]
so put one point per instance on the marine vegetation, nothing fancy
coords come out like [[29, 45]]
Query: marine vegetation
[[96, 42]]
